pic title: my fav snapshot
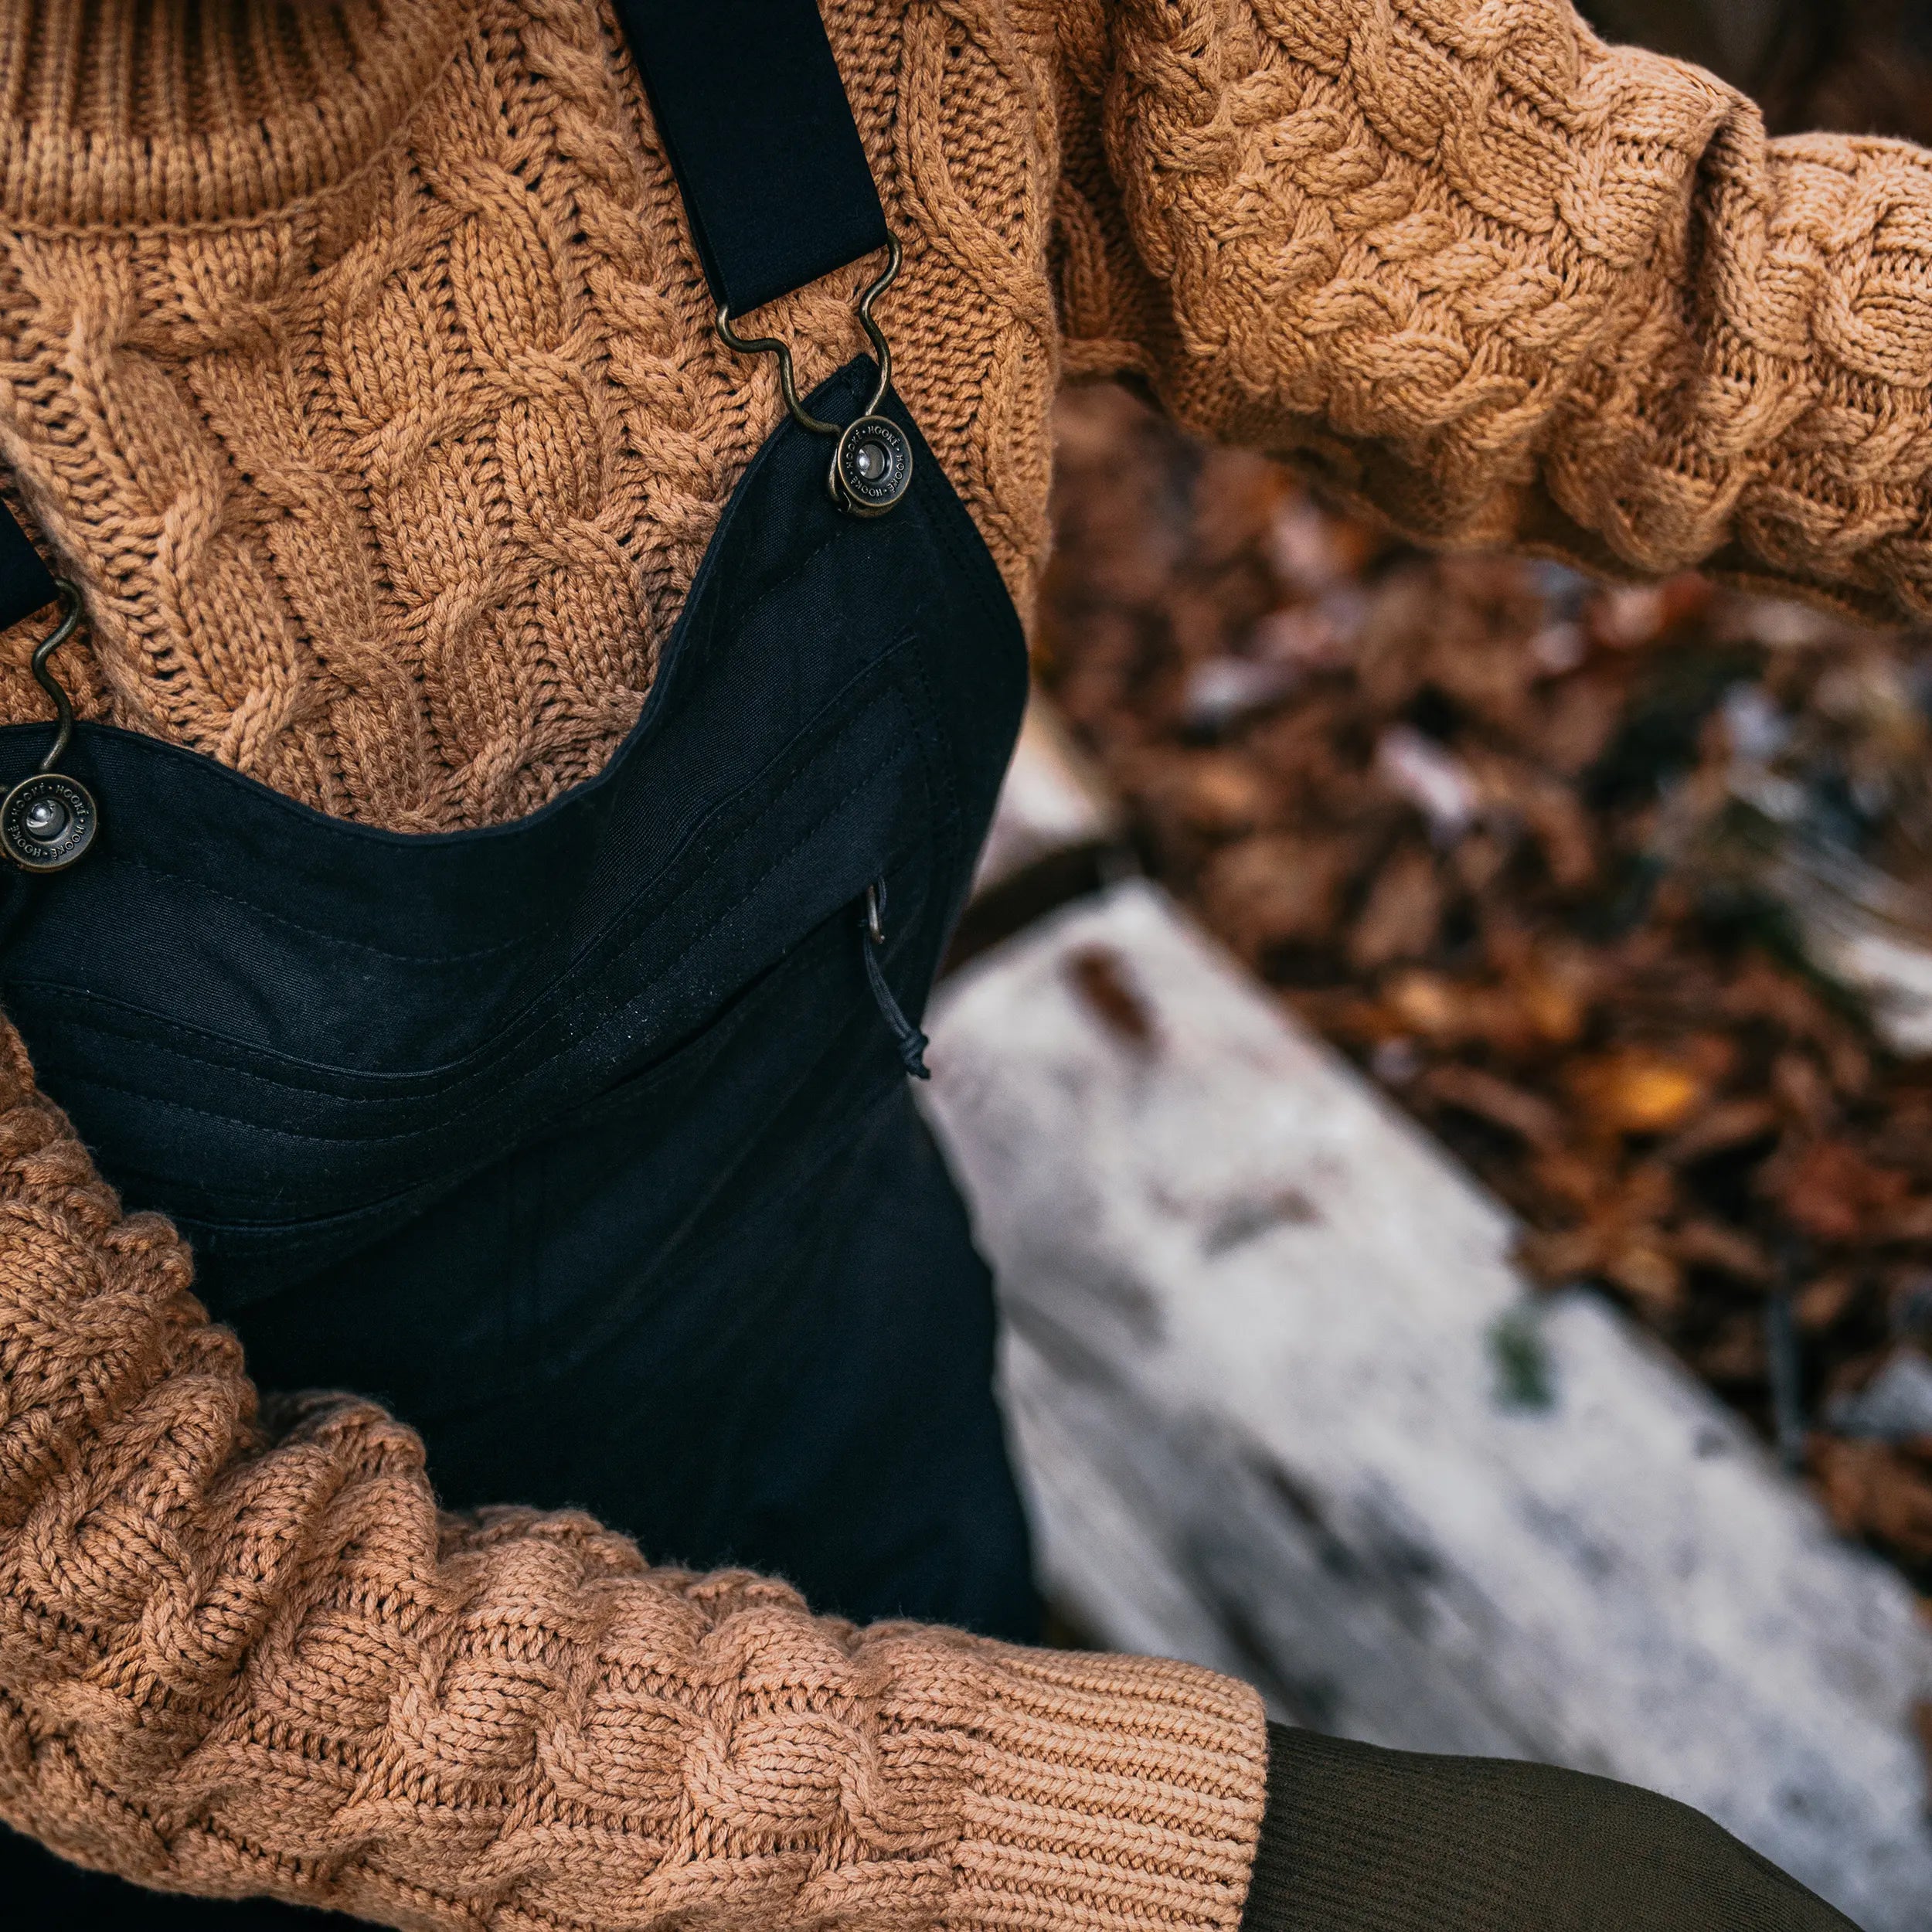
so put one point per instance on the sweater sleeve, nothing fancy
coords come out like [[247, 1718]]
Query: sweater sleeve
[[242, 1652], [1508, 285]]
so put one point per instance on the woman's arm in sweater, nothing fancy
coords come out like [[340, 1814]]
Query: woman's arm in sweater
[[1510, 285], [241, 1651]]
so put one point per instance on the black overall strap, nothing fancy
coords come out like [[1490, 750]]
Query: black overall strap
[[755, 120], [26, 584]]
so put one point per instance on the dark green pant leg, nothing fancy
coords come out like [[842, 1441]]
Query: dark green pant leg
[[1359, 1839]]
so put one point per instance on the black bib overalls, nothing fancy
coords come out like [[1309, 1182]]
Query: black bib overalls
[[586, 1142]]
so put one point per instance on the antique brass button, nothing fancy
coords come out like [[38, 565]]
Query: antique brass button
[[47, 821], [872, 467]]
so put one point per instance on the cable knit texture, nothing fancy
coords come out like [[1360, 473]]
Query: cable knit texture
[[357, 364], [355, 361], [241, 1652], [1510, 286]]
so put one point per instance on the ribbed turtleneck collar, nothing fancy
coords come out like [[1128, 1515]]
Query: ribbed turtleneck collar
[[134, 112]]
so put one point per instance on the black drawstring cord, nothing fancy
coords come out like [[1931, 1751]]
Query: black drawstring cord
[[872, 930]]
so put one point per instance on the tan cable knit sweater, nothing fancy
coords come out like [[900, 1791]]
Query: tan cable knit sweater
[[354, 359]]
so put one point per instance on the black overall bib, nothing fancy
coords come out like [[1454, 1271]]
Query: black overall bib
[[586, 1142]]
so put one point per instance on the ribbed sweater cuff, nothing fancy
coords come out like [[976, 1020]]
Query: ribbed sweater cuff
[[1270, 1897], [1105, 1792]]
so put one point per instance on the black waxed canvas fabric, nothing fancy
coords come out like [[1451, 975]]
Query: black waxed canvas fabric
[[582, 1141], [25, 582], [752, 113]]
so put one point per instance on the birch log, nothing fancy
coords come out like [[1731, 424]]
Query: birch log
[[1283, 1407], [1053, 801]]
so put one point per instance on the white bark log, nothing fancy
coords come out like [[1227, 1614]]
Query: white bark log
[[1053, 801], [1253, 1317]]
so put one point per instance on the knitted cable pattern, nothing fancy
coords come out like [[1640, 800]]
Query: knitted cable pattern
[[377, 410], [388, 492], [241, 1652], [1512, 285], [355, 360]]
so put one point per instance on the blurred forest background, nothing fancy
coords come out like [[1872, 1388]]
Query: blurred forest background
[[1626, 893]]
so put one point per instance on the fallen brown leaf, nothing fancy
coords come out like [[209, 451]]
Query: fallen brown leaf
[[1274, 890], [1635, 1091], [1830, 1192], [1100, 977], [1701, 1243], [1875, 1489], [1403, 915], [1496, 1101]]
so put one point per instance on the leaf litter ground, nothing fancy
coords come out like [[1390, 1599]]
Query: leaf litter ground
[[1621, 891]]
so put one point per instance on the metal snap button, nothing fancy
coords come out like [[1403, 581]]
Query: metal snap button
[[872, 467], [47, 821]]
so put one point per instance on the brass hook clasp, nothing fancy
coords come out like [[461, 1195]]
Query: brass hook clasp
[[70, 616], [48, 820], [871, 463]]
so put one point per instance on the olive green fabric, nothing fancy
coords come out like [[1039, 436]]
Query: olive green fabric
[[1358, 1839]]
